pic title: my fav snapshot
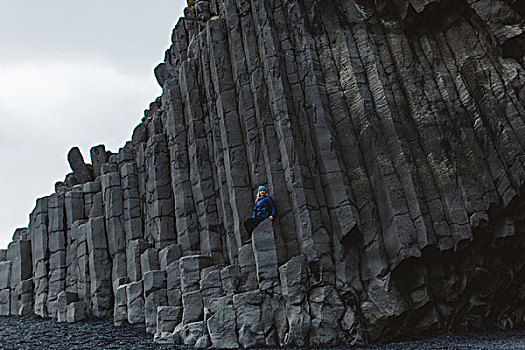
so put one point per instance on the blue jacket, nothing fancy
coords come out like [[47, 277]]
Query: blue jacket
[[264, 207]]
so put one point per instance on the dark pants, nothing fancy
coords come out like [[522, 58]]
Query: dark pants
[[251, 224]]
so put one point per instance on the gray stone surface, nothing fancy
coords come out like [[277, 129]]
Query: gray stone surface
[[265, 253], [39, 250], [149, 260], [135, 302], [174, 291], [24, 302], [190, 268], [389, 135], [134, 251], [74, 205], [76, 311], [215, 304], [57, 228], [5, 274], [83, 277], [230, 278], [120, 310], [193, 307], [110, 167], [81, 171], [168, 317], [203, 342], [190, 333], [97, 209], [222, 328], [250, 327], [169, 254], [119, 270], [19, 253], [153, 301], [21, 233], [5, 302], [101, 293], [64, 299], [75, 215], [98, 158], [165, 338], [248, 277], [133, 221], [211, 284], [160, 223], [293, 276], [114, 213], [90, 190], [153, 281], [326, 306], [125, 154], [20, 276]]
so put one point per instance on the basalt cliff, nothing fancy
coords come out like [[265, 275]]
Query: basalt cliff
[[391, 136]]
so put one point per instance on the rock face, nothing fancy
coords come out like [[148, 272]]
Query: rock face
[[391, 136]]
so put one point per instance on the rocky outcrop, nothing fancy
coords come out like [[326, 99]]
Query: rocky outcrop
[[390, 135]]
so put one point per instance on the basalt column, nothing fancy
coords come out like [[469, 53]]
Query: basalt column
[[391, 137], [57, 229], [160, 224], [40, 254]]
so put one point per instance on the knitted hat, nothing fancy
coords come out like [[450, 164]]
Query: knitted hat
[[261, 188]]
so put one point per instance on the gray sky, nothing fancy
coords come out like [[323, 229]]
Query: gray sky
[[72, 73]]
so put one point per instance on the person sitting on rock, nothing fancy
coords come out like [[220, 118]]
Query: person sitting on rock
[[264, 208]]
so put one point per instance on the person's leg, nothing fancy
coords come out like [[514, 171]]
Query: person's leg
[[251, 224]]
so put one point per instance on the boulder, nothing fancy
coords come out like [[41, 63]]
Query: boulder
[[83, 172]]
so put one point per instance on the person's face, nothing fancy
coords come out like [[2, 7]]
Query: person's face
[[262, 192]]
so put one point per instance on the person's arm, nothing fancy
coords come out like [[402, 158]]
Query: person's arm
[[272, 214]]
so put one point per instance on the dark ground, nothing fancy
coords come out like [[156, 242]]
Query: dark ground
[[30, 332]]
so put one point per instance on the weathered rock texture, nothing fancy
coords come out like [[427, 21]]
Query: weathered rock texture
[[391, 135]]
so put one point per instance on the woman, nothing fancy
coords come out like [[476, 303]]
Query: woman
[[264, 208]]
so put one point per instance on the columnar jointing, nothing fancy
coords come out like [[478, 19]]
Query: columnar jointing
[[391, 136]]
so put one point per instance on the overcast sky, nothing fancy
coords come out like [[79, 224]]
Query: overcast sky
[[72, 73]]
